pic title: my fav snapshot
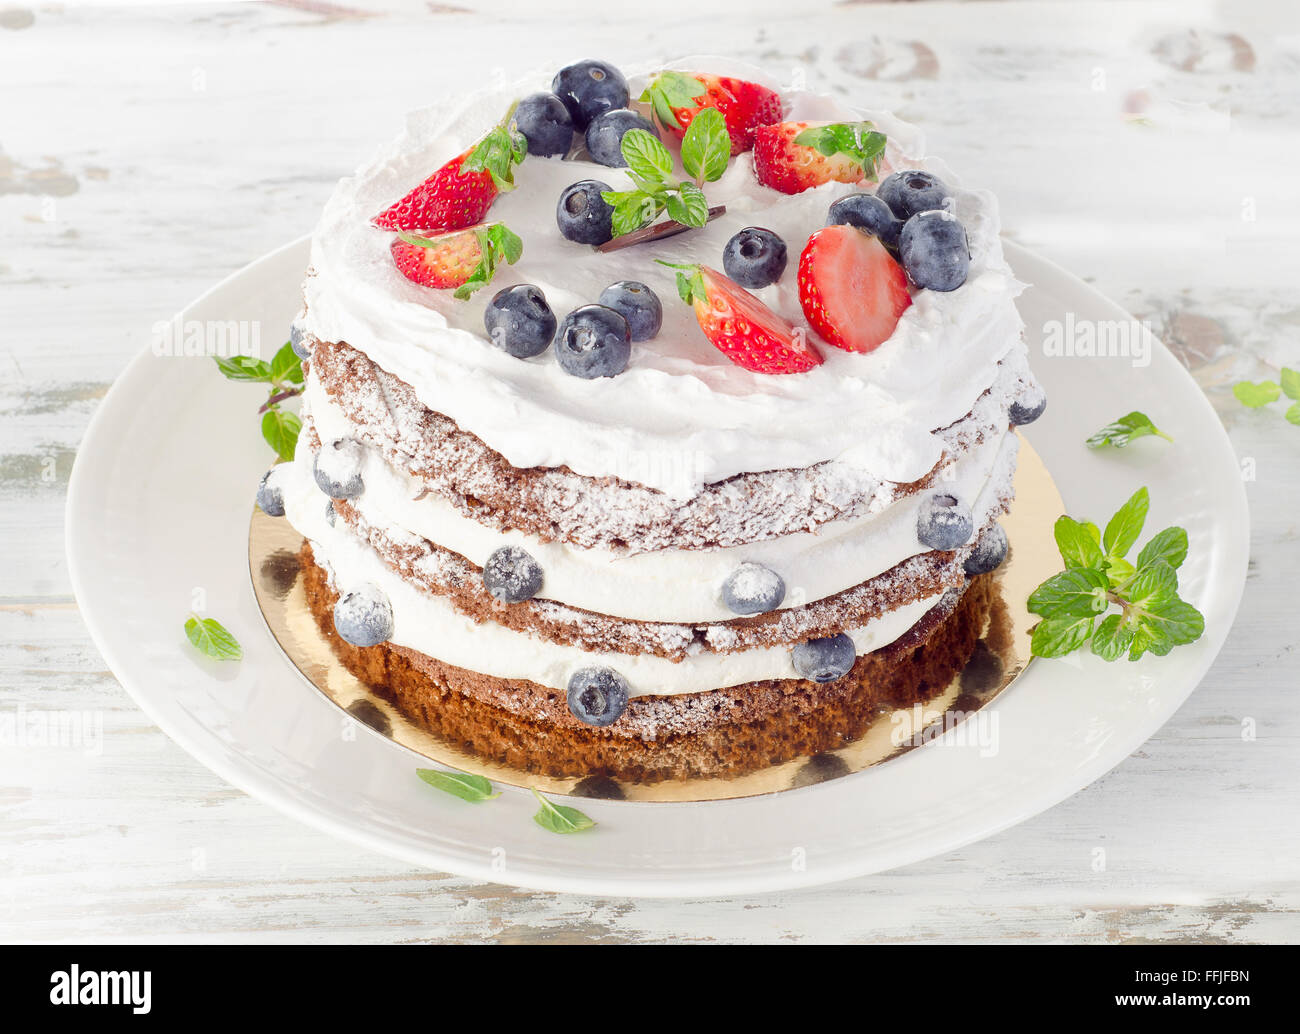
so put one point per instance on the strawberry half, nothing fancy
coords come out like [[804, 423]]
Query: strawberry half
[[851, 290], [793, 156], [463, 259], [460, 193], [741, 327], [677, 98]]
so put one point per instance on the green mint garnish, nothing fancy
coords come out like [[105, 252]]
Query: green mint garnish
[[283, 374], [706, 147], [671, 90], [280, 429], [499, 152], [1261, 394], [1074, 604], [1124, 430], [472, 788], [210, 637], [858, 140], [497, 242], [558, 818]]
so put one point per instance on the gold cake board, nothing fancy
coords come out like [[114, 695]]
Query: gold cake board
[[999, 658]]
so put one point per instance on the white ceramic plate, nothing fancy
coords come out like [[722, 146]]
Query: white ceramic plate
[[158, 512]]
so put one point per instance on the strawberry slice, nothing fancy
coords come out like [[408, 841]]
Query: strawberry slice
[[851, 290], [741, 327], [794, 156], [463, 259], [677, 98], [460, 193]]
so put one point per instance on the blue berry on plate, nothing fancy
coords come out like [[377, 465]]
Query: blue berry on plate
[[934, 251], [637, 304], [912, 191], [597, 696], [519, 320], [593, 341], [512, 575], [1029, 406], [545, 123], [588, 88], [754, 257], [989, 552], [825, 660], [753, 589], [270, 500], [297, 341], [330, 514], [944, 522], [605, 135], [869, 213], [364, 617], [337, 469], [583, 216]]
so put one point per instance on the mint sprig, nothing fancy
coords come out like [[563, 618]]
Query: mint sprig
[[857, 140], [1124, 430], [497, 243], [283, 375], [1078, 605], [559, 818], [671, 90], [1256, 395], [209, 636], [499, 152], [472, 788]]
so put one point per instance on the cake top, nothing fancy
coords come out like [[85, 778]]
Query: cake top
[[682, 413]]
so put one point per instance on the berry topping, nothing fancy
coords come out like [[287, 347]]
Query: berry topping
[[825, 660], [519, 320], [364, 617], [1029, 406], [637, 304], [588, 88], [934, 250], [741, 327], [545, 123], [597, 696], [463, 259], [793, 156], [677, 98], [869, 214], [593, 341], [331, 515], [944, 522], [512, 575], [337, 468], [912, 191], [270, 500], [605, 135], [989, 552], [583, 216], [851, 291], [298, 341], [754, 257], [753, 589]]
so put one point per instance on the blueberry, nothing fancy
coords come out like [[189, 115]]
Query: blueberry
[[1029, 406], [545, 123], [512, 575], [597, 696], [583, 216], [825, 660], [934, 251], [754, 257], [297, 341], [605, 135], [519, 320], [588, 88], [912, 191], [338, 469], [867, 212], [989, 552], [364, 617], [637, 304], [593, 341], [270, 500], [753, 589], [944, 522], [330, 514]]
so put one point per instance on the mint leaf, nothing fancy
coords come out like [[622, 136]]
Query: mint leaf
[[1180, 622], [1293, 414], [1169, 545], [497, 243], [1256, 395], [559, 818], [706, 147], [671, 90], [498, 152], [280, 429], [472, 788], [1290, 383], [1118, 571], [1078, 544], [1124, 430], [689, 206], [1112, 638], [645, 155], [286, 367], [1126, 525], [210, 637], [1057, 636], [857, 140], [1079, 592], [634, 211], [243, 368], [1152, 586]]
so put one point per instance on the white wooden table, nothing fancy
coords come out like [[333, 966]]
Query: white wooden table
[[147, 152]]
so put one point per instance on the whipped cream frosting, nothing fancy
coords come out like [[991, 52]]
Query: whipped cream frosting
[[682, 415]]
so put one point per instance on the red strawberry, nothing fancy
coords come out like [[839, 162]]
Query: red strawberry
[[463, 259], [793, 156], [851, 291], [741, 327], [677, 98]]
